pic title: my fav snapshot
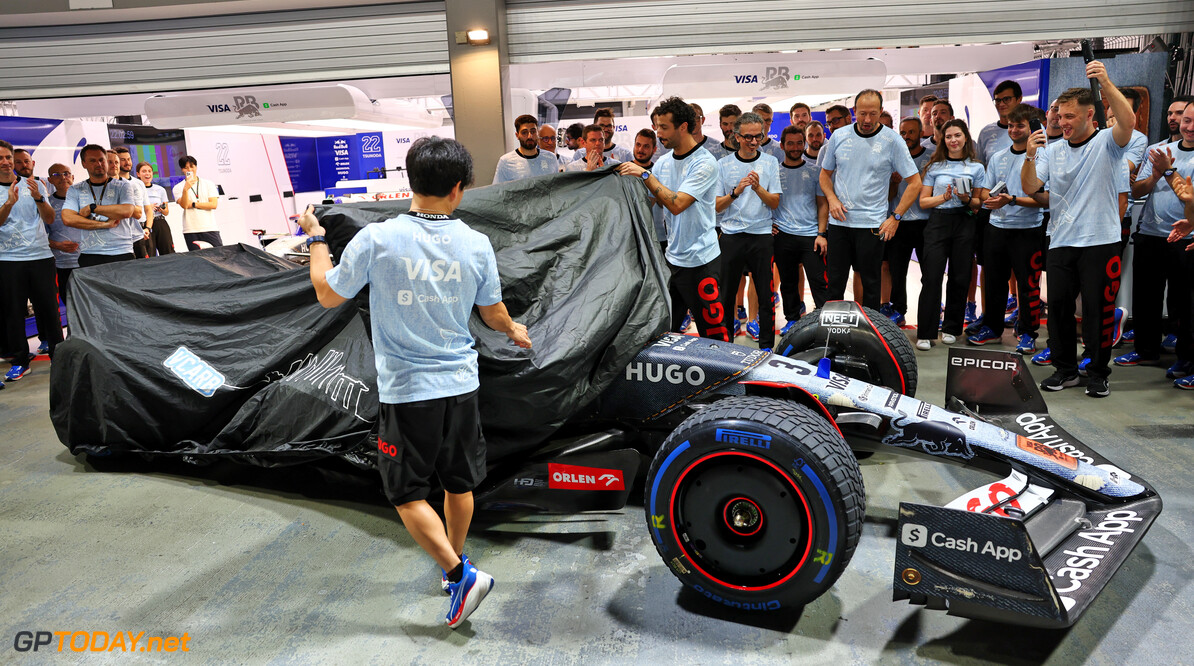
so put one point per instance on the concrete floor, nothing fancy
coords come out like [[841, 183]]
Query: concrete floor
[[256, 575]]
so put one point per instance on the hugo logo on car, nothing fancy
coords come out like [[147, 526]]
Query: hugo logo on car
[[658, 372]]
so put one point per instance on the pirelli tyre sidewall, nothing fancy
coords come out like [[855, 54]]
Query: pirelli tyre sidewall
[[755, 503], [887, 350]]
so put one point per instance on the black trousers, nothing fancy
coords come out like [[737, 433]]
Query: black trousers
[[792, 252], [212, 238], [949, 241], [909, 237], [33, 282], [86, 260], [161, 241], [862, 250], [1094, 273], [1155, 262], [754, 253], [1018, 252], [697, 290]]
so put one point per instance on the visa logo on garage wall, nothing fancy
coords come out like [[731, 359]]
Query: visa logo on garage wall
[[772, 78]]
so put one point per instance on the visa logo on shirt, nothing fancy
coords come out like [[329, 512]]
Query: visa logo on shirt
[[438, 270]]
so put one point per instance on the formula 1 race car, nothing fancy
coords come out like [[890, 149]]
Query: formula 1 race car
[[755, 500], [752, 496]]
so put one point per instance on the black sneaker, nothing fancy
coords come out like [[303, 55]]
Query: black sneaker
[[1058, 381], [1096, 387]]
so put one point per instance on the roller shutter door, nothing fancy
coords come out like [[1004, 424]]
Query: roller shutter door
[[553, 30], [224, 51]]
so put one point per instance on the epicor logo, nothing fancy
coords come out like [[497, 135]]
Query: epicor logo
[[983, 363]]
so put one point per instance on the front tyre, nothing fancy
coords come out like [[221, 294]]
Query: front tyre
[[755, 503]]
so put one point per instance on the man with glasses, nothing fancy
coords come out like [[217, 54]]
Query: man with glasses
[[525, 161], [836, 117], [994, 137], [856, 171], [749, 192], [727, 116], [64, 240], [769, 145], [547, 142], [604, 118]]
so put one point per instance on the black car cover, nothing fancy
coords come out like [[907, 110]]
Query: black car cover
[[226, 352]]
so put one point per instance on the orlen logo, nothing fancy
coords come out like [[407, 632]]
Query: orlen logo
[[983, 363], [575, 477], [742, 438], [830, 318]]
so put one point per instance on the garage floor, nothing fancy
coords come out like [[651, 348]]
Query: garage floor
[[256, 575]]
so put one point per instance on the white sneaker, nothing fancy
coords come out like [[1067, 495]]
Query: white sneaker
[[923, 345], [948, 339]]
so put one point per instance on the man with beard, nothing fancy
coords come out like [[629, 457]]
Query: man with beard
[[769, 145], [525, 161], [836, 117], [644, 148], [800, 227], [140, 197], [26, 263], [926, 112], [698, 132], [814, 140], [604, 118], [102, 207], [855, 173], [727, 116], [800, 115], [685, 184], [943, 112]]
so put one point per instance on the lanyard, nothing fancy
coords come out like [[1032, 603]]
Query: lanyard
[[100, 198]]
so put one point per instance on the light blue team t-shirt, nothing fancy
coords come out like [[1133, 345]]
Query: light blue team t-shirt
[[60, 232], [797, 211], [692, 235], [773, 149], [718, 150], [116, 240], [991, 139], [941, 175], [426, 273], [616, 152], [1163, 207], [862, 168], [516, 166], [747, 214], [584, 164], [1084, 182], [915, 212], [1004, 166], [23, 237]]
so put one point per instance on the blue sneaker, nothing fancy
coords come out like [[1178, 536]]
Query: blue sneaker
[[971, 313], [1042, 358], [1130, 358], [1082, 365], [443, 581], [742, 312], [1121, 316], [1011, 319], [43, 349], [1169, 344], [1, 386], [898, 319], [467, 595], [1186, 382], [752, 329], [1129, 335], [1180, 369], [787, 327], [737, 329], [1026, 345], [686, 323], [16, 372], [974, 327], [887, 310], [1011, 305], [984, 336], [803, 309]]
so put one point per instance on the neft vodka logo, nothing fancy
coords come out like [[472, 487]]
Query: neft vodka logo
[[194, 372], [834, 319]]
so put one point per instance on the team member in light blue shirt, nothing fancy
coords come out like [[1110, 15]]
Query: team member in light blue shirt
[[910, 235], [426, 271], [595, 159], [64, 240], [800, 226], [684, 182], [952, 191], [993, 138], [769, 146], [525, 161], [1081, 175], [1157, 263], [748, 193], [1013, 242], [856, 168], [727, 116], [103, 208], [26, 263], [604, 118]]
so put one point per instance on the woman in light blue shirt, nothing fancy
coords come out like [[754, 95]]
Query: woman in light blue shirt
[[951, 193]]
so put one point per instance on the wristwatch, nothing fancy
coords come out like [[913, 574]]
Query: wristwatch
[[41, 200], [316, 239], [646, 175], [734, 195], [822, 234], [1169, 172], [92, 209], [897, 217]]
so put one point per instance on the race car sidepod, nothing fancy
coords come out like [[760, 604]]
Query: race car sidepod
[[1032, 549]]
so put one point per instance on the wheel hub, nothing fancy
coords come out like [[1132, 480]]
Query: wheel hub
[[743, 516]]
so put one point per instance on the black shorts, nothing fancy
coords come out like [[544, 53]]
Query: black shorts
[[440, 437]]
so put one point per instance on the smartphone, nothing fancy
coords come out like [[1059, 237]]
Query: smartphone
[[1034, 125]]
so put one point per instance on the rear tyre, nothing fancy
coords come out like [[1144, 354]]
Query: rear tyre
[[755, 503]]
